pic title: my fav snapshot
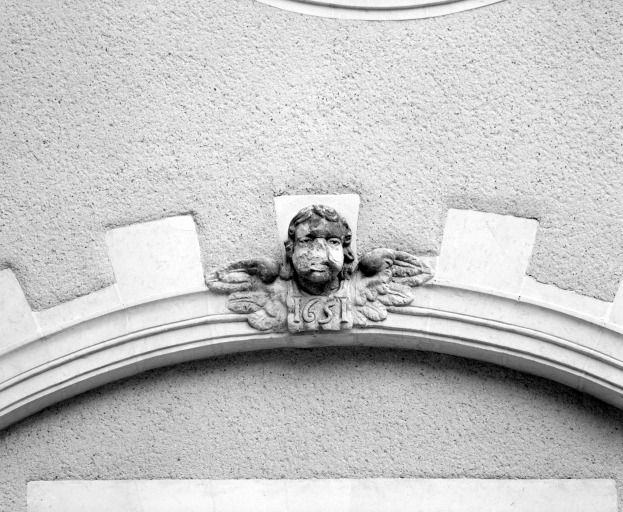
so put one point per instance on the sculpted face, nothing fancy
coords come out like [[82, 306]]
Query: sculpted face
[[318, 255]]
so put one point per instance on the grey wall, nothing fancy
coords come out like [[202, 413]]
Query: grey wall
[[115, 112], [320, 413]]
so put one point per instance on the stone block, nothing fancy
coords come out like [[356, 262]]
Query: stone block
[[486, 250], [616, 311], [156, 258], [563, 300], [346, 495], [82, 307], [17, 321]]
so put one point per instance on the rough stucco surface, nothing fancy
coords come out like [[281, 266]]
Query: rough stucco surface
[[115, 112], [321, 413]]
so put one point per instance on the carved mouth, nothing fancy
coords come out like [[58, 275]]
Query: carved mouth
[[320, 268]]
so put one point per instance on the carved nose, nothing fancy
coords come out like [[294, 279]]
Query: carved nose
[[321, 247]]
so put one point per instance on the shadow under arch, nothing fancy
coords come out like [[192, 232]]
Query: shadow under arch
[[475, 324]]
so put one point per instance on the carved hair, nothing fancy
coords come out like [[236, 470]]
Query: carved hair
[[324, 212]]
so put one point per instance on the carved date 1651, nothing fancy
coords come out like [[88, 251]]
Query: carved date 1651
[[320, 286]]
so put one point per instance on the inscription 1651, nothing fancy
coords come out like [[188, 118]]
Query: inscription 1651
[[319, 313], [320, 286]]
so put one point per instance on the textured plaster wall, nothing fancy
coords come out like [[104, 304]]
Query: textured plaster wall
[[322, 413], [116, 112]]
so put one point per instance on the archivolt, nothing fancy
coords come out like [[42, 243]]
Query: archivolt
[[472, 323], [378, 9]]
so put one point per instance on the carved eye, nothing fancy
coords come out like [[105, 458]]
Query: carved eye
[[304, 241], [335, 242], [378, 9]]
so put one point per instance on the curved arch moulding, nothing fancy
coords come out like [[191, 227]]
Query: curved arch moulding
[[378, 9], [447, 319], [481, 305]]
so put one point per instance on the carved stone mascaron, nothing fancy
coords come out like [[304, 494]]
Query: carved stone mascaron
[[320, 287]]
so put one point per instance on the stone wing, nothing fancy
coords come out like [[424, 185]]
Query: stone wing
[[254, 289], [386, 279]]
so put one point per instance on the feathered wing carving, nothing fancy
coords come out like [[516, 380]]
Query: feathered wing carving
[[254, 288], [386, 278]]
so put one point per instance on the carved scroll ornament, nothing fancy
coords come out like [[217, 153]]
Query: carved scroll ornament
[[320, 286]]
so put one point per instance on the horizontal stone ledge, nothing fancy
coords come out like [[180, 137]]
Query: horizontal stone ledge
[[346, 495]]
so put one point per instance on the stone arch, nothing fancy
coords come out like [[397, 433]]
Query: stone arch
[[378, 9], [480, 306], [517, 334]]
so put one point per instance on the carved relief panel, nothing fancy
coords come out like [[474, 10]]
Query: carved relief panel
[[320, 286]]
